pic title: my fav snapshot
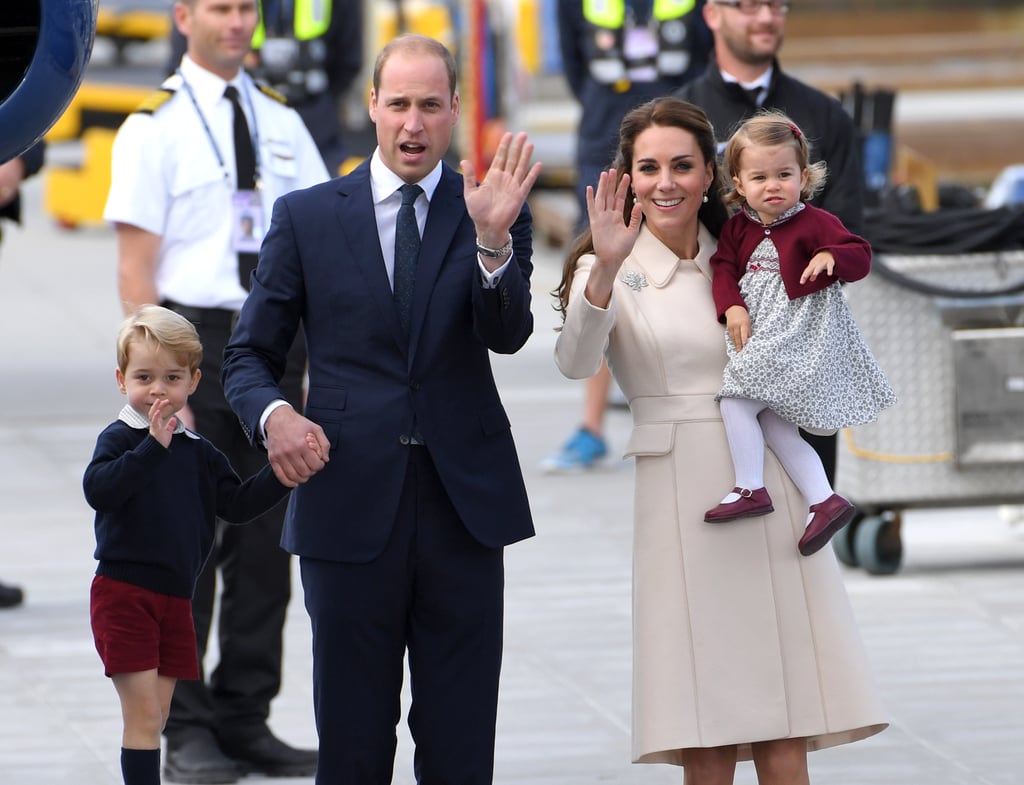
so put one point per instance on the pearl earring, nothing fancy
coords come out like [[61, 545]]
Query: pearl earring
[[705, 198]]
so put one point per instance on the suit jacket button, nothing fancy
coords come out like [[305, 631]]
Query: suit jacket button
[[404, 439]]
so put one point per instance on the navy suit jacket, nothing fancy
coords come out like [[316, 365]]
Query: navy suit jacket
[[321, 267]]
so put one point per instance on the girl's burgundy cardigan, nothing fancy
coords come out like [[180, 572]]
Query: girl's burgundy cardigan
[[797, 239]]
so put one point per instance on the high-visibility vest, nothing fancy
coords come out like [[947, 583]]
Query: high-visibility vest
[[310, 19], [303, 74], [607, 25]]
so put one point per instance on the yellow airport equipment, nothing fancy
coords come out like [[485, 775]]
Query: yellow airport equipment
[[426, 17], [915, 170], [130, 25], [76, 195], [97, 103]]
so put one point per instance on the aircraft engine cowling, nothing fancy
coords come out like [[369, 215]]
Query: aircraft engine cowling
[[44, 48]]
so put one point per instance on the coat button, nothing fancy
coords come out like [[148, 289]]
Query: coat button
[[404, 439]]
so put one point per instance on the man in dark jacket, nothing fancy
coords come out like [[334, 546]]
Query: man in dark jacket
[[743, 76]]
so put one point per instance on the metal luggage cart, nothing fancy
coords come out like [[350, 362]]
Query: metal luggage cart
[[949, 332]]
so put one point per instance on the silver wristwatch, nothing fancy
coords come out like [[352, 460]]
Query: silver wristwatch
[[494, 253]]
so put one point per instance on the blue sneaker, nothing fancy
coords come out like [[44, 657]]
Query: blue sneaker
[[582, 451]]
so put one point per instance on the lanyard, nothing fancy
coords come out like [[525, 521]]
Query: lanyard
[[209, 133]]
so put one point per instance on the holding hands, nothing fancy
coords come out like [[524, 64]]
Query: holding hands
[[291, 469], [296, 447]]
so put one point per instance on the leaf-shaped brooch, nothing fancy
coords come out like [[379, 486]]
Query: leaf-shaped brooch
[[634, 279]]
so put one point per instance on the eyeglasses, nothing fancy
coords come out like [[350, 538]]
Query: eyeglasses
[[751, 7]]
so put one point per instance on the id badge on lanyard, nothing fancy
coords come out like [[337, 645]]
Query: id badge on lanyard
[[247, 220], [248, 224]]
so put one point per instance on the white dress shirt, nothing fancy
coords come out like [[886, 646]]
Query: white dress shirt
[[387, 198], [167, 178]]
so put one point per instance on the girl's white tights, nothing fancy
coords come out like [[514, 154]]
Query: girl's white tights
[[748, 426]]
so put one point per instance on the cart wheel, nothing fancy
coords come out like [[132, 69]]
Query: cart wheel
[[877, 544], [843, 542]]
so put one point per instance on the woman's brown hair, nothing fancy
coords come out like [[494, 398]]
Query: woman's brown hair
[[662, 112]]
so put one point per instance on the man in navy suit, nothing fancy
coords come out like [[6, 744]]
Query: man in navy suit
[[413, 485]]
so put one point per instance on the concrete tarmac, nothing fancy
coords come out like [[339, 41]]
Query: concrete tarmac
[[945, 635]]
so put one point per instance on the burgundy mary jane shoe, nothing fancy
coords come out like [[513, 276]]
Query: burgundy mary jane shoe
[[750, 504], [830, 516]]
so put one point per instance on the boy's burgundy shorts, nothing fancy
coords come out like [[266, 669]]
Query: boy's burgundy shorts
[[136, 629]]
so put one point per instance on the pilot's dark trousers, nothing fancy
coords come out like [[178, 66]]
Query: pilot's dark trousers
[[253, 569]]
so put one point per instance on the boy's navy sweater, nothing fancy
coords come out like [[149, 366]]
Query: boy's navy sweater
[[156, 508]]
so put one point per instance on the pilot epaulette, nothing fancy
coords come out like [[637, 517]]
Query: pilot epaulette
[[155, 100], [270, 92]]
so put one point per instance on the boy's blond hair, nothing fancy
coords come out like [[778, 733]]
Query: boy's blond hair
[[770, 128], [168, 330]]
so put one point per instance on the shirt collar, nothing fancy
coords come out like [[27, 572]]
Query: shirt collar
[[133, 419], [751, 213], [207, 87], [762, 82], [384, 183]]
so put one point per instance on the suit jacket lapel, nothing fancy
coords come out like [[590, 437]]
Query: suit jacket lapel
[[446, 213], [358, 226]]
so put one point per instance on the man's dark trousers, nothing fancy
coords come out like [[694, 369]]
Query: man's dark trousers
[[436, 590]]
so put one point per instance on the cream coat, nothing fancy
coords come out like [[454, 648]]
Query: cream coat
[[737, 637]]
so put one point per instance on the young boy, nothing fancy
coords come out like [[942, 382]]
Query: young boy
[[157, 489]]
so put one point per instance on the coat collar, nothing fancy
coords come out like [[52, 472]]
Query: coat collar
[[660, 264]]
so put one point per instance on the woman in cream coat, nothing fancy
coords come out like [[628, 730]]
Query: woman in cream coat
[[743, 649]]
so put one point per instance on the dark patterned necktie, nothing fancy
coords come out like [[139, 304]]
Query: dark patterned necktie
[[407, 249], [245, 166]]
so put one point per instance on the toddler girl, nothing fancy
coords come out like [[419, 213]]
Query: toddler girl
[[796, 357]]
